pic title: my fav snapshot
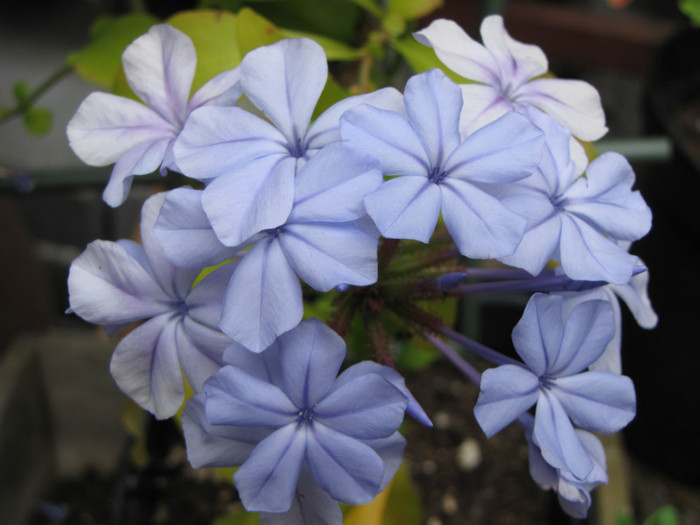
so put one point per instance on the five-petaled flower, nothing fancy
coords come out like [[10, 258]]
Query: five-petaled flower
[[286, 411], [508, 74], [159, 67]]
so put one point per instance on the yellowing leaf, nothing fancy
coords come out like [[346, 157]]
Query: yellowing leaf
[[399, 504], [214, 35]]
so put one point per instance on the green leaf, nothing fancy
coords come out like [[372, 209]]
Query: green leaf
[[624, 519], [213, 34], [370, 6], [334, 49], [21, 92], [332, 93], [253, 31], [422, 58], [413, 355], [38, 121], [337, 19], [238, 517], [399, 504], [665, 515], [394, 24], [411, 9], [100, 61], [691, 9]]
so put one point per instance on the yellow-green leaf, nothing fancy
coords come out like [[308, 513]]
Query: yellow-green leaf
[[254, 31], [214, 35], [399, 504], [410, 9], [334, 49], [100, 61]]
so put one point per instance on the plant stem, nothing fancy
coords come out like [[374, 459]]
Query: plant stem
[[434, 324], [450, 353], [20, 108]]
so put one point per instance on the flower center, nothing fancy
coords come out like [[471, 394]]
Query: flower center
[[296, 150], [274, 232], [547, 382], [437, 175], [305, 416]]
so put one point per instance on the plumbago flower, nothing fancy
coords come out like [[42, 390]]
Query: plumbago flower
[[439, 172], [326, 240], [159, 67], [634, 294], [556, 352], [507, 72], [574, 494], [577, 220], [248, 163], [117, 283], [304, 438]]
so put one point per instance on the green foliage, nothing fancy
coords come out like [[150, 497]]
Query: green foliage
[[331, 94], [415, 354], [22, 93], [254, 31], [238, 517], [336, 19], [335, 50], [422, 58], [691, 9], [38, 120], [215, 38], [664, 515], [624, 519], [411, 9], [100, 61], [371, 6]]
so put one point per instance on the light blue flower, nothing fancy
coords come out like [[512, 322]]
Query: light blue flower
[[117, 283], [296, 428], [440, 173], [634, 295], [575, 219], [574, 495], [557, 352], [327, 240], [249, 163], [159, 66]]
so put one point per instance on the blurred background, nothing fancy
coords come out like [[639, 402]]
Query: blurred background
[[67, 436]]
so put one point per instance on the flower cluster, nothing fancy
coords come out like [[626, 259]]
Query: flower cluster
[[283, 206]]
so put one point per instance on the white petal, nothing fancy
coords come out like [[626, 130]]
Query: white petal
[[458, 51], [159, 67], [518, 62], [106, 127], [574, 103]]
